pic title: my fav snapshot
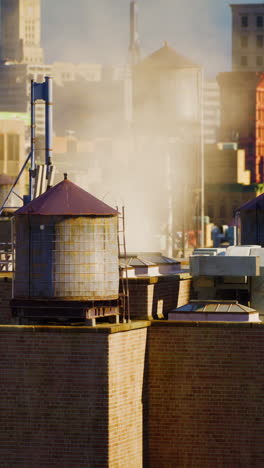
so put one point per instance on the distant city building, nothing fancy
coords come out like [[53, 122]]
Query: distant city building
[[12, 147], [20, 31], [227, 182], [212, 111], [248, 37], [242, 117], [15, 89], [167, 90], [64, 72]]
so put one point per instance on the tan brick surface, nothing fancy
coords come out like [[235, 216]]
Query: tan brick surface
[[126, 372], [147, 298], [5, 297], [205, 396], [71, 398]]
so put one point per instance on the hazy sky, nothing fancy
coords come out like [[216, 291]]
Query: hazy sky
[[97, 30]]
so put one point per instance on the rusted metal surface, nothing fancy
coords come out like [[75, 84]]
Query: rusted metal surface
[[66, 198], [66, 258]]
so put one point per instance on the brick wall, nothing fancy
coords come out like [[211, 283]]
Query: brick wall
[[55, 388], [73, 397], [205, 395], [5, 296], [155, 297], [126, 372]]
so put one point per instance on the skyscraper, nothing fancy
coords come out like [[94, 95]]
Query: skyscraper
[[20, 31], [248, 37]]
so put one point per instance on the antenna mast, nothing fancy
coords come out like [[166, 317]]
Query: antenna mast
[[134, 47]]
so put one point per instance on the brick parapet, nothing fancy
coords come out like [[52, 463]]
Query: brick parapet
[[71, 396], [154, 297], [204, 395]]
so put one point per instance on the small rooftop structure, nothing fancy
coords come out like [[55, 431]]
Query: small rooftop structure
[[149, 264], [66, 198], [214, 311], [242, 260]]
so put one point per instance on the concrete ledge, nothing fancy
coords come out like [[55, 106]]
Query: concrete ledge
[[224, 266], [159, 279], [177, 324], [105, 328]]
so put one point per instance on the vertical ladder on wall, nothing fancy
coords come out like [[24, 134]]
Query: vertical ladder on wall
[[123, 275]]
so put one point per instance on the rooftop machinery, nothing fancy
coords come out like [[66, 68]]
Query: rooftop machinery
[[40, 176]]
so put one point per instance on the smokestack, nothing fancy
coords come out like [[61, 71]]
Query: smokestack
[[134, 47]]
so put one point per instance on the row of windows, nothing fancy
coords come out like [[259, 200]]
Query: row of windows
[[245, 22], [244, 40], [244, 61]]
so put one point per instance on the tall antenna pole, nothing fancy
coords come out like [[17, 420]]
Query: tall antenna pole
[[201, 84], [134, 46], [49, 120], [33, 142]]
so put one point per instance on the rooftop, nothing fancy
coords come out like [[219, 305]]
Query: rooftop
[[167, 57], [215, 311], [66, 198], [247, 5], [255, 204]]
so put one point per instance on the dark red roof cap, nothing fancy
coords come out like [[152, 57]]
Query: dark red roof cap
[[255, 204], [6, 179], [66, 198]]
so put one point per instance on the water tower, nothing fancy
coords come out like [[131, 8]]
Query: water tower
[[66, 257]]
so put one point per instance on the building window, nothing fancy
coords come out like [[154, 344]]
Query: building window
[[2, 147], [259, 41], [259, 21], [259, 61], [12, 147], [244, 21], [244, 61], [244, 41]]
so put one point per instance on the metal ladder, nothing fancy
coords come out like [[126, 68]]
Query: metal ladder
[[124, 304]]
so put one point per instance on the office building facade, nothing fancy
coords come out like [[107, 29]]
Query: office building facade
[[248, 37], [20, 31]]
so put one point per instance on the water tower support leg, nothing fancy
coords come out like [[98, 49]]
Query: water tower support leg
[[90, 322]]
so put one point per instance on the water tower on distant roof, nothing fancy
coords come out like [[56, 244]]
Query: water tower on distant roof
[[66, 257]]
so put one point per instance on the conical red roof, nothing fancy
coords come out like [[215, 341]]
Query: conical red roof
[[255, 204], [66, 198], [167, 57]]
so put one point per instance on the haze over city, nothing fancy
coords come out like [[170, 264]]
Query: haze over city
[[97, 31]]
